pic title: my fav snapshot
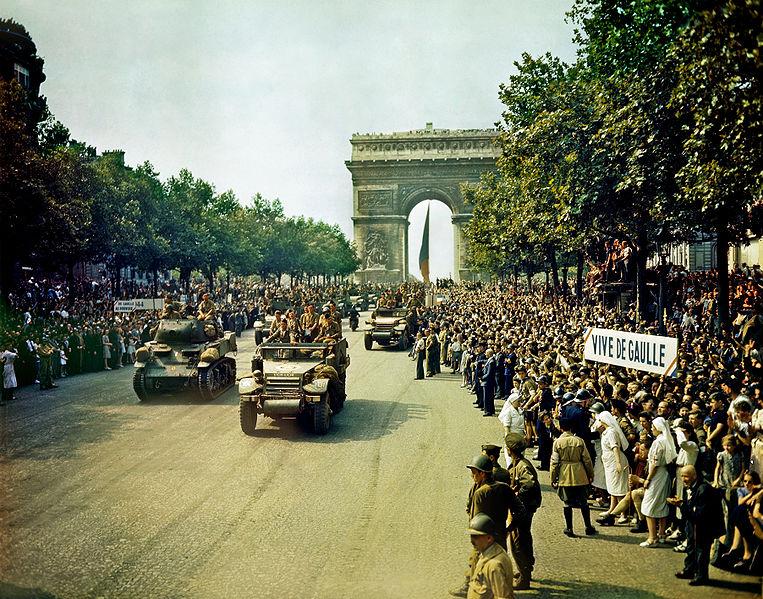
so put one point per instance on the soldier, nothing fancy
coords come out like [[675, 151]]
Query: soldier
[[496, 500], [490, 577], [308, 322], [207, 309], [524, 482], [170, 310], [45, 352], [329, 330], [499, 472], [283, 334]]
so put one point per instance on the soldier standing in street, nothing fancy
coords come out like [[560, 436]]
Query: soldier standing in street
[[45, 352], [500, 473], [491, 576], [524, 482], [494, 499]]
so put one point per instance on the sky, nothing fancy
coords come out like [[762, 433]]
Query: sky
[[263, 97]]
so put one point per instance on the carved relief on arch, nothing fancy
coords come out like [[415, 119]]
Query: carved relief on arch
[[374, 200], [375, 254]]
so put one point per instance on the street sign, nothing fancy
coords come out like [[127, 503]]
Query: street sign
[[650, 353], [151, 303]]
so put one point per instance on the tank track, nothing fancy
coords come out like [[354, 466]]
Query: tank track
[[139, 384], [217, 379]]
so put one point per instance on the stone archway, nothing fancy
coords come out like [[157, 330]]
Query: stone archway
[[393, 172]]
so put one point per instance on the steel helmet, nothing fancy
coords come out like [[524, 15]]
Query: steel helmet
[[482, 463], [481, 524], [568, 397]]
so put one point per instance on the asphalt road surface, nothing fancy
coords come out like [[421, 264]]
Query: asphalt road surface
[[104, 496]]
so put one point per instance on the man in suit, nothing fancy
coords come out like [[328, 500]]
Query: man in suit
[[703, 521], [488, 384]]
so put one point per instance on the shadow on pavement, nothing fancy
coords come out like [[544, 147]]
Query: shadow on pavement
[[553, 588], [360, 420], [12, 591], [42, 437]]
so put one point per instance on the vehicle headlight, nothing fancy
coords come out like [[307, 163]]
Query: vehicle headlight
[[246, 384]]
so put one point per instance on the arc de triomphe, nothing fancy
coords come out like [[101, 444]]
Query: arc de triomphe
[[392, 172]]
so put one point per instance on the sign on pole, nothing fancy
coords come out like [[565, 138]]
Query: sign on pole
[[151, 303], [650, 353]]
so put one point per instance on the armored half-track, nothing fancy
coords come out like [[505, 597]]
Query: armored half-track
[[183, 357], [388, 327], [304, 380]]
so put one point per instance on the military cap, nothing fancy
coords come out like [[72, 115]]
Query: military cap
[[516, 442], [481, 524], [481, 463], [491, 449]]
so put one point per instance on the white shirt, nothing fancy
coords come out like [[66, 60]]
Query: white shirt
[[512, 418]]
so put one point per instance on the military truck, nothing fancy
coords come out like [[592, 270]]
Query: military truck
[[185, 356], [303, 380], [388, 326]]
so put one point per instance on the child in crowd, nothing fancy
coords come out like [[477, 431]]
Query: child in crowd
[[728, 471]]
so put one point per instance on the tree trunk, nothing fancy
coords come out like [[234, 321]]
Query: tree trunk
[[155, 276], [554, 267], [211, 279], [529, 278], [579, 277], [722, 259], [565, 283]]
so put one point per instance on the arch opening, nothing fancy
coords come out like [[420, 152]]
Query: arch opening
[[441, 238]]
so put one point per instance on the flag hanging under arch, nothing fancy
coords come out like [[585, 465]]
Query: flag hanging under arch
[[424, 251]]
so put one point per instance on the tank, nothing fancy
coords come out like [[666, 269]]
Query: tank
[[183, 356]]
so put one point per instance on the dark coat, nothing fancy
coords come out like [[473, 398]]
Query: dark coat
[[703, 511]]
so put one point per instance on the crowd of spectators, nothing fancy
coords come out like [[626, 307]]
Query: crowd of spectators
[[650, 438]]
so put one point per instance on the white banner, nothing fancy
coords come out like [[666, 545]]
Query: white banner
[[151, 303], [650, 353]]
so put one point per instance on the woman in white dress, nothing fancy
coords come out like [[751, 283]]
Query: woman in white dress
[[7, 358], [657, 484], [599, 477], [614, 444]]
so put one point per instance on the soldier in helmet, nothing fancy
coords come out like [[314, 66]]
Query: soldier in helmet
[[496, 500], [491, 576]]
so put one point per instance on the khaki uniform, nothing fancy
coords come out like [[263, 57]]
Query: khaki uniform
[[571, 464], [207, 309], [308, 321], [491, 577], [524, 481], [330, 329]]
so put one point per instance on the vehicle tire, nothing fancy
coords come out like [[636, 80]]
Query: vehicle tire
[[337, 395], [139, 383], [247, 415], [368, 342], [354, 326], [321, 417]]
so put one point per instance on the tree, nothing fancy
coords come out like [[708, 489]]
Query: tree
[[719, 93]]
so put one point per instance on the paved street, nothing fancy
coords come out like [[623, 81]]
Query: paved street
[[103, 496]]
